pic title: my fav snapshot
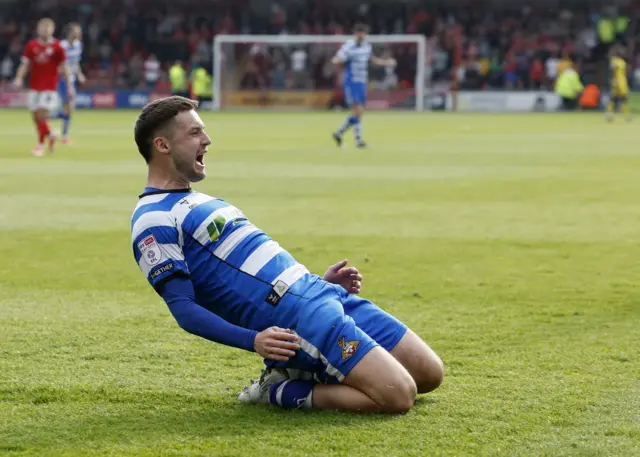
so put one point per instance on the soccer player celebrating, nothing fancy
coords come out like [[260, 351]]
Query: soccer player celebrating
[[619, 85], [355, 55], [73, 49], [45, 57], [225, 280]]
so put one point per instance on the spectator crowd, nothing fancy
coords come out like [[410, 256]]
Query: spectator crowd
[[134, 43]]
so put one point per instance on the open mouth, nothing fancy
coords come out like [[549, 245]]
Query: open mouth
[[200, 160]]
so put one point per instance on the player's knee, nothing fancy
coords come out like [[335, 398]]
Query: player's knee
[[396, 395], [430, 374], [399, 397]]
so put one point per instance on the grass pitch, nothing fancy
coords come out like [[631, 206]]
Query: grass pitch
[[510, 243]]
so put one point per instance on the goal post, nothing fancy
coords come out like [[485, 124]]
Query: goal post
[[294, 71]]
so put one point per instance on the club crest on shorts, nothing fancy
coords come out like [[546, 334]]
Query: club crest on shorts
[[348, 347], [150, 250]]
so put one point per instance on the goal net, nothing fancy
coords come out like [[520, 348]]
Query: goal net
[[295, 72]]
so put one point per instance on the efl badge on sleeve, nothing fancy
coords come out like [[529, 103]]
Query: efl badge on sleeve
[[348, 347], [150, 250]]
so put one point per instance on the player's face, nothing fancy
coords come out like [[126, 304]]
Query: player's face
[[360, 36], [76, 33], [45, 30], [189, 143]]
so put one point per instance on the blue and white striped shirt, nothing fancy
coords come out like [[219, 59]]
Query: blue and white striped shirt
[[233, 265], [74, 56], [356, 61]]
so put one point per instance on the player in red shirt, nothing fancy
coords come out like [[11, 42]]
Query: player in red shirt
[[45, 57]]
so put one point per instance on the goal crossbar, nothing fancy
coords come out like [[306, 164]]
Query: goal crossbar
[[222, 39]]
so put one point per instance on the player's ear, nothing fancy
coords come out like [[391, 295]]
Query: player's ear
[[162, 145]]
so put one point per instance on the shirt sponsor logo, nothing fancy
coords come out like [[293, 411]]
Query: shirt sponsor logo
[[150, 250], [215, 228], [162, 269], [229, 215]]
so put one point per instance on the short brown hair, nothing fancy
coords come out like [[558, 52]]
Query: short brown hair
[[155, 116], [360, 27], [69, 27]]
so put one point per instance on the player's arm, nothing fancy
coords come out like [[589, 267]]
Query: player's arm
[[383, 62], [341, 56], [81, 77], [161, 259], [66, 74], [21, 74], [178, 294], [65, 70], [272, 343]]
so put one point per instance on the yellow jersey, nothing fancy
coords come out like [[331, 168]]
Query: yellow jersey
[[619, 84]]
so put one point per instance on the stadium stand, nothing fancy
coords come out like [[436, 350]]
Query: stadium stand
[[502, 46]]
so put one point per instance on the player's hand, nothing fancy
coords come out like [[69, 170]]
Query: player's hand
[[347, 277], [82, 78], [391, 62], [18, 83], [276, 343]]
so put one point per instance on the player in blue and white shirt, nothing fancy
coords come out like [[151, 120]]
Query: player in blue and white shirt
[[355, 56], [227, 281], [72, 45]]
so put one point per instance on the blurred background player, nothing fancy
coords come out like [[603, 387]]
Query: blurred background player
[[73, 49], [354, 56], [619, 85], [45, 58]]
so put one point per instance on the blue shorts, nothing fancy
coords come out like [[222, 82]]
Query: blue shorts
[[63, 92], [355, 94], [336, 330]]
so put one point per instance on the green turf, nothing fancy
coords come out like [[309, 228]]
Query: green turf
[[510, 243]]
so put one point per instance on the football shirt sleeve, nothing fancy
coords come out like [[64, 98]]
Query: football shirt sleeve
[[342, 54], [27, 55], [179, 296], [62, 54], [157, 248]]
